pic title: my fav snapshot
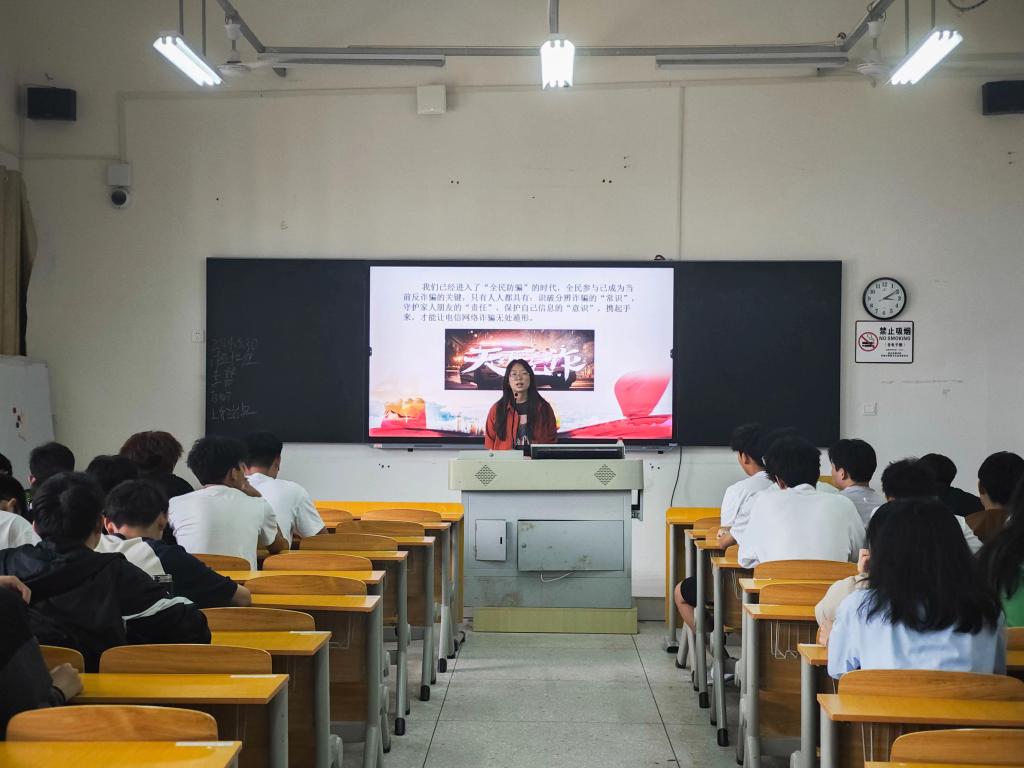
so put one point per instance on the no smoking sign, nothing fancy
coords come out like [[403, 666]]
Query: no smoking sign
[[885, 342]]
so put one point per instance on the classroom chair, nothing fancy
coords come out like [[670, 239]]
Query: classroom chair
[[316, 561], [186, 659], [333, 515], [408, 515], [794, 593], [305, 585], [112, 722], [224, 562], [701, 529], [350, 541], [258, 620], [805, 570], [55, 655], [983, 746], [1015, 639], [382, 527], [873, 743]]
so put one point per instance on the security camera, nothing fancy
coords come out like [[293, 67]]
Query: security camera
[[120, 197]]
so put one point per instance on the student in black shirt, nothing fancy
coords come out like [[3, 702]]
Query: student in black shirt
[[961, 502], [138, 508], [90, 600]]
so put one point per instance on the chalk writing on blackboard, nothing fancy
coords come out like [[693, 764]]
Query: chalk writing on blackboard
[[227, 358]]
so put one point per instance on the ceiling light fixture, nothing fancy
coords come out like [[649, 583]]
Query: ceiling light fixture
[[920, 62], [556, 54], [173, 47]]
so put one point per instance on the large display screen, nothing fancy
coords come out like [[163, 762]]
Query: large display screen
[[598, 338]]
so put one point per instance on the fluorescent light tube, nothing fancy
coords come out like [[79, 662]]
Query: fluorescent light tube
[[933, 50], [173, 48], [556, 60]]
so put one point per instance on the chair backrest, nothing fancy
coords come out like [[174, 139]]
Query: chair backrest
[[733, 552], [930, 684], [316, 561], [332, 515], [258, 620], [112, 722], [185, 659], [382, 527], [706, 524], [408, 515], [224, 562], [805, 570], [827, 480], [1015, 639], [356, 542], [305, 585], [984, 746], [793, 593], [55, 655]]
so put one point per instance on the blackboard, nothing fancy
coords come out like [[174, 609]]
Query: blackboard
[[757, 341], [287, 348]]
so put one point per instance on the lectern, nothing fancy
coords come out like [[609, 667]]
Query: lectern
[[548, 541]]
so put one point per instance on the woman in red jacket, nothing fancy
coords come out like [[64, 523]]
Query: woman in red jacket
[[521, 417]]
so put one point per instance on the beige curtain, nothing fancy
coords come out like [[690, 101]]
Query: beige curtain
[[17, 252]]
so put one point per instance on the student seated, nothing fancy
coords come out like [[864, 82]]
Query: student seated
[[799, 522], [5, 466], [997, 477], [137, 510], [853, 464], [84, 599], [227, 516], [959, 501], [15, 529], [293, 508], [1002, 561], [24, 679], [925, 606], [44, 462], [746, 441], [111, 471], [156, 454], [911, 478]]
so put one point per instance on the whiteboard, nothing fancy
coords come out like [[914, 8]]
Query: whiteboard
[[26, 418]]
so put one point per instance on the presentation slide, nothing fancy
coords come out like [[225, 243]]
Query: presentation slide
[[599, 340]]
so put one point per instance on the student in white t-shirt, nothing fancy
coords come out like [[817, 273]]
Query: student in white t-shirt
[[746, 441], [799, 522], [15, 530], [293, 508], [912, 478], [853, 464], [226, 516]]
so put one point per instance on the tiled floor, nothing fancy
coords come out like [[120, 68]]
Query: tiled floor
[[539, 700]]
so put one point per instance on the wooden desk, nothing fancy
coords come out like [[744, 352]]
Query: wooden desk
[[906, 711], [727, 612], [369, 578], [258, 705], [783, 691], [119, 754], [421, 571], [678, 520], [703, 549], [348, 689], [303, 657], [753, 586]]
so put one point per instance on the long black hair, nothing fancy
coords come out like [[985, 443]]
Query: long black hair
[[922, 573], [538, 409], [1002, 558]]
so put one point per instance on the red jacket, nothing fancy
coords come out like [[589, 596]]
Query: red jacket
[[544, 431]]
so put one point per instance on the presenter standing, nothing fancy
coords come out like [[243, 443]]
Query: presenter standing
[[521, 417]]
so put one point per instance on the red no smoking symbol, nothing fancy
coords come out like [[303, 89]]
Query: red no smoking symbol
[[868, 341]]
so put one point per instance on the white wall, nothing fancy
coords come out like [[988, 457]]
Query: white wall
[[913, 183], [9, 92]]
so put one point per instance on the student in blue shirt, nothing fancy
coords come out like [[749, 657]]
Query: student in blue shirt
[[925, 605]]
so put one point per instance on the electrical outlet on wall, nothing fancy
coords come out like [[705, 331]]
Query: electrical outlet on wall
[[870, 409], [198, 337]]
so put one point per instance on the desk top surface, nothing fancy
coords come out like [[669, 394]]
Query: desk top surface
[[340, 603], [294, 643], [109, 687], [367, 577], [817, 656], [708, 545], [119, 754], [449, 511], [850, 708], [727, 563], [687, 516], [781, 612], [414, 541], [380, 555]]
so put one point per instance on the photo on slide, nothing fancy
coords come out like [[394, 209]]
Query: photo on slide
[[477, 359]]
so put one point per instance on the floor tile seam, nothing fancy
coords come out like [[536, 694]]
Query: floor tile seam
[[559, 722], [453, 664], [657, 706]]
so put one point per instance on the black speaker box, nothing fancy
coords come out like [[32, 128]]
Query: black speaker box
[[51, 103], [1002, 97]]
